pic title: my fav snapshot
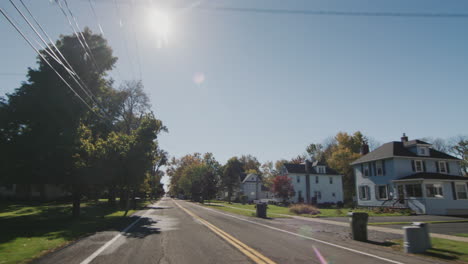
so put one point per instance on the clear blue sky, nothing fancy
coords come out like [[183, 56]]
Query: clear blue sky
[[275, 83]]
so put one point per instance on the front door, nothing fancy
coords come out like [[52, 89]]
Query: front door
[[401, 194]]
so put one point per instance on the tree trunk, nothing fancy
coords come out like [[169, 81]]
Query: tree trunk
[[127, 199], [42, 191], [111, 200], [76, 194], [133, 200], [123, 196]]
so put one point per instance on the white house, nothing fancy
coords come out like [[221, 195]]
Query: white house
[[250, 185], [314, 183], [411, 174]]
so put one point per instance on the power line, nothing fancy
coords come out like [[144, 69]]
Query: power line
[[95, 16], [124, 39], [93, 9], [77, 35], [70, 71], [46, 61], [136, 40], [334, 13]]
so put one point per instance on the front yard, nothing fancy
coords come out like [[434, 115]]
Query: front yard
[[443, 249], [31, 230], [278, 211]]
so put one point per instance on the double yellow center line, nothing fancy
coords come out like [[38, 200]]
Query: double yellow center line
[[254, 255]]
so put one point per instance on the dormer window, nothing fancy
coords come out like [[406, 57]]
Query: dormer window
[[423, 151], [321, 169]]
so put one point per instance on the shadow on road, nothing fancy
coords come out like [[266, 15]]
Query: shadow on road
[[145, 228]]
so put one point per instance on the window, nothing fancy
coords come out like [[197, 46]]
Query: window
[[434, 191], [382, 192], [413, 190], [321, 169], [333, 194], [364, 193], [418, 165], [442, 167], [316, 179], [422, 151], [379, 170], [366, 169], [318, 195], [298, 179], [331, 180], [460, 188]]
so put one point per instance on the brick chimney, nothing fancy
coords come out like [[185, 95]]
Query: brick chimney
[[364, 148], [404, 138]]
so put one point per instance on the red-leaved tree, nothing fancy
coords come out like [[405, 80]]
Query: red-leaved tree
[[283, 187]]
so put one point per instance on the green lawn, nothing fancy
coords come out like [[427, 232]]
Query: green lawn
[[274, 210], [31, 230], [462, 235], [444, 249]]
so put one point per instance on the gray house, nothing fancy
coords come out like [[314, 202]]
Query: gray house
[[410, 174]]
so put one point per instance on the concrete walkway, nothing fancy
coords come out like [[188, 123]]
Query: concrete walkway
[[346, 223]]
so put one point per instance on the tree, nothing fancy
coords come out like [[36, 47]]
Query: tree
[[346, 150], [44, 115], [315, 152], [283, 187], [250, 164], [460, 149], [231, 176]]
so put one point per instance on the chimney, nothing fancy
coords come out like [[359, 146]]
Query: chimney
[[308, 166], [404, 138], [364, 148]]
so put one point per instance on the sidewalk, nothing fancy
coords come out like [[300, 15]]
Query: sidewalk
[[346, 224]]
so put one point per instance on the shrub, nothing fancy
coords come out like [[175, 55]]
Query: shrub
[[304, 209], [326, 205], [339, 204]]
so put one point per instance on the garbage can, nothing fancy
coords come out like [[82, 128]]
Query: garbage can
[[262, 210], [425, 230], [358, 225], [415, 239]]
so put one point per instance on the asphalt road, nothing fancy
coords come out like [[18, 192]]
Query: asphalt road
[[174, 231]]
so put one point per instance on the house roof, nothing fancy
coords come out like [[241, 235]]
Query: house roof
[[247, 177], [398, 149], [432, 176], [300, 169]]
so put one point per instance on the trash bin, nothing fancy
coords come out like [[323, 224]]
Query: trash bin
[[262, 210], [415, 239], [425, 228], [358, 225]]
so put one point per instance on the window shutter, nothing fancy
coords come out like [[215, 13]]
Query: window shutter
[[370, 168], [437, 166], [375, 168], [412, 165], [376, 192], [454, 191], [424, 165], [448, 167], [362, 169], [383, 167], [360, 193]]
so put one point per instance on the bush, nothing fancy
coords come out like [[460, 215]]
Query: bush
[[339, 204], [304, 209]]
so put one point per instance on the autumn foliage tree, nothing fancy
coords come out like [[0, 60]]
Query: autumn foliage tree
[[283, 187]]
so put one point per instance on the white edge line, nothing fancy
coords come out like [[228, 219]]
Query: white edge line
[[108, 243], [306, 237]]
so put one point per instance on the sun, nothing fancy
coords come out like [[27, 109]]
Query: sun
[[160, 24]]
